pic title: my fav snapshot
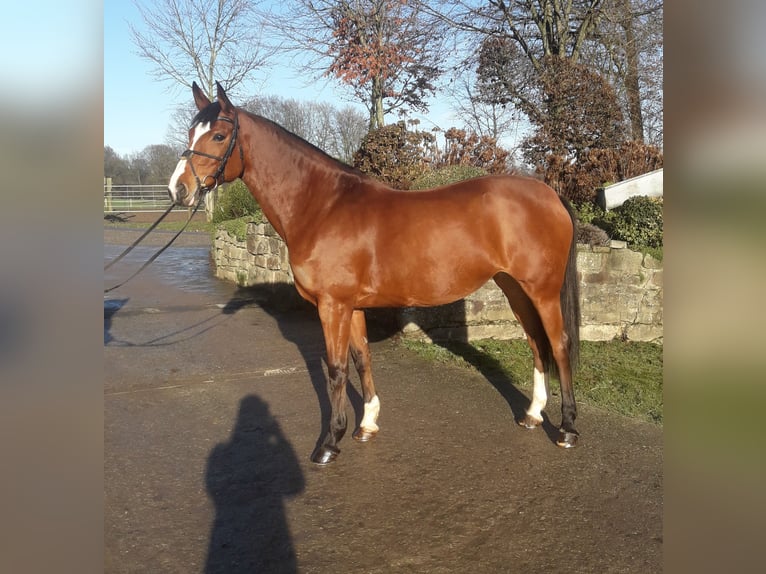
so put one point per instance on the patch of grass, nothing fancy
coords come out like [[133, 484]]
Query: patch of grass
[[238, 227], [622, 377], [656, 252]]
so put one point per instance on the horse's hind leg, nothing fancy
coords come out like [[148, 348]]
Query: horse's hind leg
[[553, 321], [526, 314], [360, 352]]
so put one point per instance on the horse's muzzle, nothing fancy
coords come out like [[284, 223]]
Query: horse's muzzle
[[180, 196]]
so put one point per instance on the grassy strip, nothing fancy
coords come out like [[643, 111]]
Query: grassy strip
[[623, 377], [164, 226], [236, 227]]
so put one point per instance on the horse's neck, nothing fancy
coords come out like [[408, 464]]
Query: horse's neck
[[283, 176]]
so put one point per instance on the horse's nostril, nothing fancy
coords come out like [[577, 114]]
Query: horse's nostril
[[177, 193]]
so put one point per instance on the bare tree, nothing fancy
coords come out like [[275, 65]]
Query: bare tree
[[337, 132], [628, 52], [620, 39], [202, 40], [177, 135], [485, 118], [387, 52], [161, 160], [351, 127]]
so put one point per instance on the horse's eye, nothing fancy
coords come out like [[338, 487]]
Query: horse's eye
[[219, 137]]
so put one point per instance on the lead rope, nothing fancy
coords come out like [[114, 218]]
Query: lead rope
[[153, 257]]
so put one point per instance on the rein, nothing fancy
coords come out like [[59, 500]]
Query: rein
[[153, 257], [202, 190]]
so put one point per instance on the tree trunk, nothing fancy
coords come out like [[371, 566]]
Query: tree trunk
[[632, 89], [376, 104]]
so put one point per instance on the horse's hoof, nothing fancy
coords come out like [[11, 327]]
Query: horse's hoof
[[530, 422], [324, 455], [567, 439], [364, 435]]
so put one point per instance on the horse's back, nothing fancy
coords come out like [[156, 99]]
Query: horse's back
[[495, 212]]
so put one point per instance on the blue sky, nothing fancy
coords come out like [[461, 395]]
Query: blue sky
[[49, 50], [138, 108]]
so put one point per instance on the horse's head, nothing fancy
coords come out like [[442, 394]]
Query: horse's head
[[209, 159]]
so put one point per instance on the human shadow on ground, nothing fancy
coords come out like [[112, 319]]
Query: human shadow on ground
[[248, 478]]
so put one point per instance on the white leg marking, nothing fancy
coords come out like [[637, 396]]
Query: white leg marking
[[371, 411], [539, 395]]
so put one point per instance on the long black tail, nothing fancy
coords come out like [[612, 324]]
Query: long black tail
[[570, 294]]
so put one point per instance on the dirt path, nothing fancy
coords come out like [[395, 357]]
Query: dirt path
[[213, 402]]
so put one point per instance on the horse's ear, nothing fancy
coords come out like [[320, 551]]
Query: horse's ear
[[223, 99], [200, 98]]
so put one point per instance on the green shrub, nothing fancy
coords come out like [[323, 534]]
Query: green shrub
[[587, 211], [234, 201], [446, 175], [637, 221], [235, 227]]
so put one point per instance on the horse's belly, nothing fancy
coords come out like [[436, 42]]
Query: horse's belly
[[421, 288]]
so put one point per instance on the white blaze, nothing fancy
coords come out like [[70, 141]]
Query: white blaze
[[199, 131]]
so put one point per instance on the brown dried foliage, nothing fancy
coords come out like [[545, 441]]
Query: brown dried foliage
[[398, 156], [395, 155], [578, 180], [468, 148]]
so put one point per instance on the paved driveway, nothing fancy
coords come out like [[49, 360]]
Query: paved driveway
[[213, 402]]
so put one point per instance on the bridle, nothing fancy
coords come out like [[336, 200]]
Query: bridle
[[201, 189], [187, 154]]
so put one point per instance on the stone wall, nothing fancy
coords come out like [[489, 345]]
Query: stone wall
[[261, 259], [620, 291]]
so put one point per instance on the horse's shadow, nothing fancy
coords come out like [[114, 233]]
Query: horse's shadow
[[504, 382], [446, 326], [299, 323]]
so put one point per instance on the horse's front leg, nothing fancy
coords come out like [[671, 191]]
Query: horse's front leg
[[336, 325]]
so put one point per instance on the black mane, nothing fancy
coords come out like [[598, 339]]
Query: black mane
[[299, 141], [208, 115]]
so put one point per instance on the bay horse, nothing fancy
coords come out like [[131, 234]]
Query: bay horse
[[355, 243]]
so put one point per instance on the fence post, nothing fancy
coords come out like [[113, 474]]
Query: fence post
[[210, 199], [108, 193]]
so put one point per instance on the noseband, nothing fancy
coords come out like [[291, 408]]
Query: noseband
[[221, 159]]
